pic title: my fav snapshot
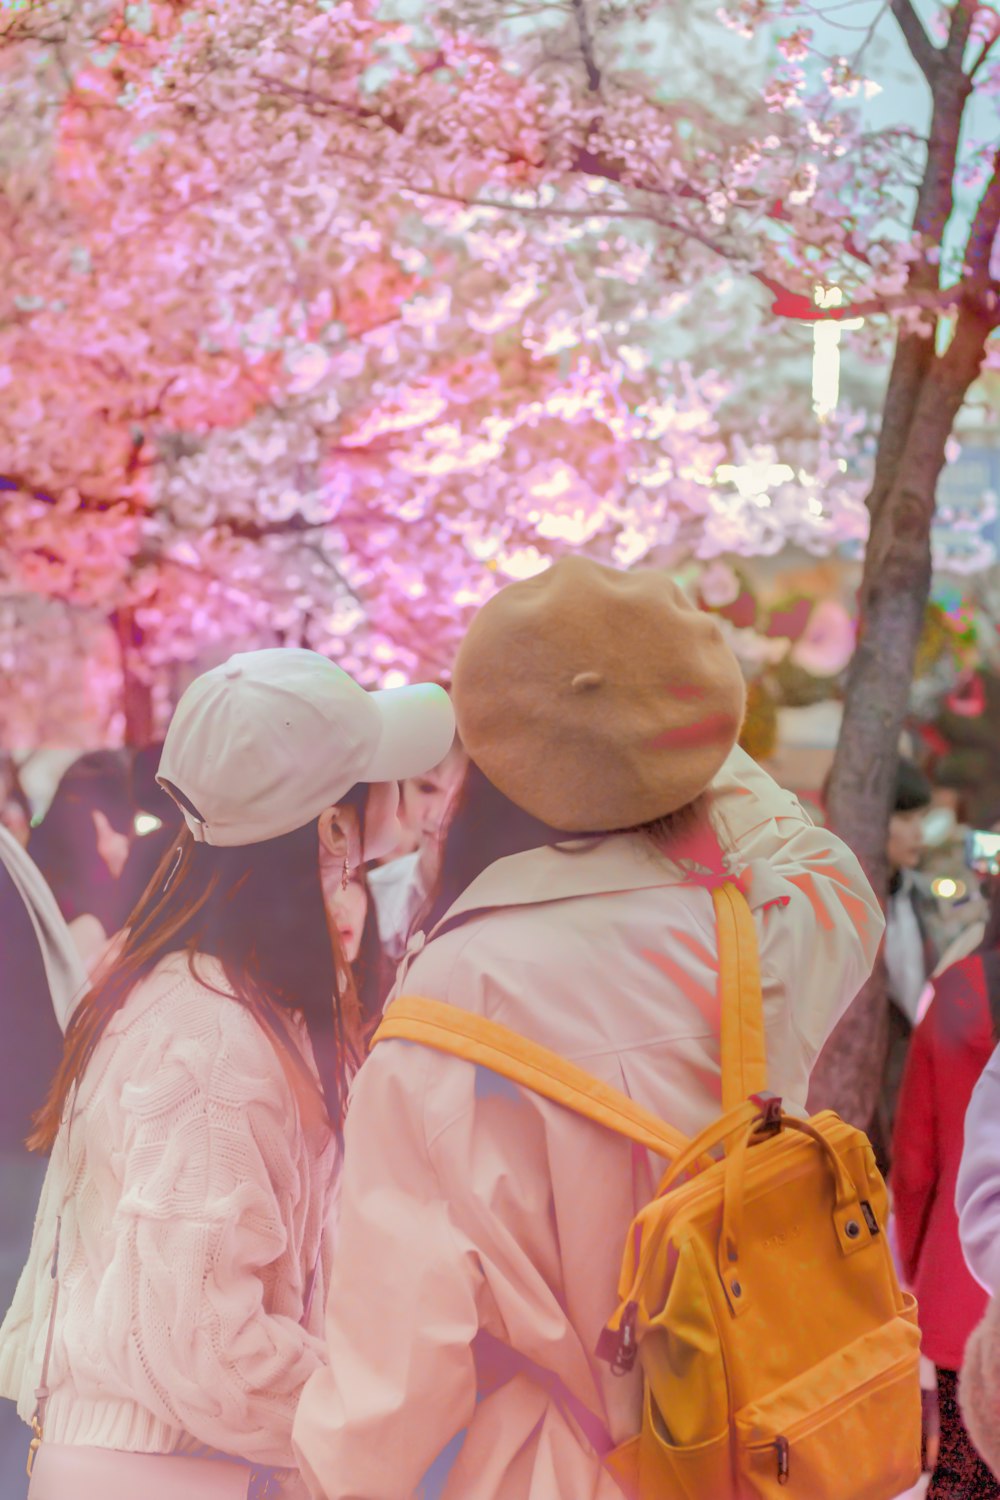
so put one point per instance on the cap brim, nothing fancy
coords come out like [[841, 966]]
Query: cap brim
[[418, 730]]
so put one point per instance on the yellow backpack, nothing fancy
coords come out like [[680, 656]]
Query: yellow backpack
[[757, 1291]]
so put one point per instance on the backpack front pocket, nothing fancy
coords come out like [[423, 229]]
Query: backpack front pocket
[[693, 1472], [848, 1426]]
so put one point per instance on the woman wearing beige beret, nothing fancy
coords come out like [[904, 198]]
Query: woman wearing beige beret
[[482, 1226]]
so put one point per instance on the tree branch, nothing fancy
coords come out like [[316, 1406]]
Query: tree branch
[[987, 47], [255, 531], [963, 14], [587, 45], [979, 249], [11, 484], [950, 92], [584, 161], [787, 303], [922, 49]]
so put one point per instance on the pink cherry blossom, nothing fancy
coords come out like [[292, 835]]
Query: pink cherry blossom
[[318, 325]]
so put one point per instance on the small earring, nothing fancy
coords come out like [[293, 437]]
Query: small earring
[[346, 876]]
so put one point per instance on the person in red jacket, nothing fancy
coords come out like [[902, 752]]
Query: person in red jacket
[[950, 1048]]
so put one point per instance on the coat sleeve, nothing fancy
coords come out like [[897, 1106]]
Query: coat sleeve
[[916, 1156], [403, 1305], [182, 1309], [819, 922], [977, 1192]]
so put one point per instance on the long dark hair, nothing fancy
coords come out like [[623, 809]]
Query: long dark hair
[[148, 846], [259, 910], [371, 970], [484, 826]]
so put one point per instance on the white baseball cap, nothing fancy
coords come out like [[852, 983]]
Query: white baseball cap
[[261, 745]]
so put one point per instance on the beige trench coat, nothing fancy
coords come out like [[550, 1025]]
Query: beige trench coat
[[468, 1205]]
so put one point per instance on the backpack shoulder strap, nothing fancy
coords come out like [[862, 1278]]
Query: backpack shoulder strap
[[743, 1047], [449, 1029]]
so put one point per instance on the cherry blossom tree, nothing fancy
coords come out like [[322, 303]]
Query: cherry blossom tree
[[942, 344], [305, 409], [791, 192], [72, 692]]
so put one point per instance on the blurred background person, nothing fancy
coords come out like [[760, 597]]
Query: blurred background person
[[15, 809], [82, 844], [910, 951], [41, 979], [948, 1051], [401, 887], [973, 933]]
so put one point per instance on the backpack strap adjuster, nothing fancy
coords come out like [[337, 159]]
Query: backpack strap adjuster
[[770, 1113]]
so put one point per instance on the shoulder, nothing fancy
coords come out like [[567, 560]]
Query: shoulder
[[457, 962], [182, 1019], [965, 979], [960, 1010]]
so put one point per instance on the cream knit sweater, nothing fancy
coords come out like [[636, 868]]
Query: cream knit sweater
[[193, 1204]]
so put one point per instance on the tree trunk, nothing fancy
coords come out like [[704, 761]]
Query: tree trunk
[[137, 696], [894, 589], [926, 392]]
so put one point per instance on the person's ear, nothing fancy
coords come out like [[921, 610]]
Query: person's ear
[[338, 835]]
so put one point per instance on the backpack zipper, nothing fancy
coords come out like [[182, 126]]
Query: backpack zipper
[[782, 1451], [782, 1446]]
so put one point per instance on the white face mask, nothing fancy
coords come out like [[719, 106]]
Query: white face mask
[[382, 830], [939, 825]]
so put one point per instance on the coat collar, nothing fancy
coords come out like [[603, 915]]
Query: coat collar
[[583, 867]]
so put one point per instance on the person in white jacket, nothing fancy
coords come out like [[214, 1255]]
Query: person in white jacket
[[40, 979], [165, 1324], [481, 1226], [977, 1199]]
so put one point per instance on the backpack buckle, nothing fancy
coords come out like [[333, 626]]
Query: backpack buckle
[[625, 1347], [770, 1113]]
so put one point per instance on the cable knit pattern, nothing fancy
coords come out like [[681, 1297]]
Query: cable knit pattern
[[193, 1205]]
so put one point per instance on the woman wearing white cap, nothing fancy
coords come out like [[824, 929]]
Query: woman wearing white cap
[[481, 1226], [168, 1316]]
